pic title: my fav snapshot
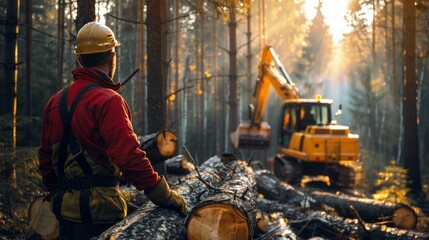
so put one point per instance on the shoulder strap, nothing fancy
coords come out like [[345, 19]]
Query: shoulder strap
[[69, 139], [68, 136]]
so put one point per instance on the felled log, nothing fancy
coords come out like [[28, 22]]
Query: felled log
[[220, 200], [159, 146], [133, 197], [148, 222], [308, 224], [370, 210], [272, 188], [179, 165], [225, 206]]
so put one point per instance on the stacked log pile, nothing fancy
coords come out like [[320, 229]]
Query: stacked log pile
[[224, 196], [330, 216], [308, 224]]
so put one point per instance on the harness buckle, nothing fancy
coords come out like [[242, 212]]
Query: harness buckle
[[78, 153]]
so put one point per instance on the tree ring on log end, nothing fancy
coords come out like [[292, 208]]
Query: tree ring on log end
[[404, 217], [217, 221], [166, 142]]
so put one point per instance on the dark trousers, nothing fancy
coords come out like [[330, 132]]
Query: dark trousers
[[72, 230]]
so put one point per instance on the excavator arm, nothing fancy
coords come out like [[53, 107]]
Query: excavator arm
[[254, 133]]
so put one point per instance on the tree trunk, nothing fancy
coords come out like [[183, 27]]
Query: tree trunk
[[139, 97], [216, 96], [117, 31], [411, 140], [8, 89], [196, 96], [28, 67], [393, 55], [179, 95], [156, 100], [398, 215], [229, 194], [156, 109], [201, 97], [233, 110], [166, 56], [248, 93], [60, 43], [85, 13]]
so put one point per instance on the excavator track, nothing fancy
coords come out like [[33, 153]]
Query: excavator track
[[346, 174], [288, 170]]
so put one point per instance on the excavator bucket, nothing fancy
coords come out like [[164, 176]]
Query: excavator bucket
[[250, 136]]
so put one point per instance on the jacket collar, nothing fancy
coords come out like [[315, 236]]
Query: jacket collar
[[95, 76]]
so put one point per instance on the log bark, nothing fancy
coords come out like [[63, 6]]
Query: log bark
[[225, 187], [159, 146], [370, 210], [225, 206], [274, 189], [179, 165], [308, 224], [148, 222]]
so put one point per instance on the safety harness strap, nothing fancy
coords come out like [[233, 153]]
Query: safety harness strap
[[83, 183], [77, 183]]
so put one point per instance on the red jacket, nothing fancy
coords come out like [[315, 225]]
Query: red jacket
[[102, 124]]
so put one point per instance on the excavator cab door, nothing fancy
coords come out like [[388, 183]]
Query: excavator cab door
[[288, 124]]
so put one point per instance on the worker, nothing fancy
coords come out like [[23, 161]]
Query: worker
[[88, 145], [307, 117]]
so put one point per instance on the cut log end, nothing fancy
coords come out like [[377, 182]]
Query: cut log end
[[42, 221], [166, 142], [159, 146], [217, 221], [404, 217]]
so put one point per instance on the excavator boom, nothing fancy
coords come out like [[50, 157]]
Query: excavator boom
[[254, 133]]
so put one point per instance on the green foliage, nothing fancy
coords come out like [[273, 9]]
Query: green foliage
[[392, 183], [6, 134], [21, 183]]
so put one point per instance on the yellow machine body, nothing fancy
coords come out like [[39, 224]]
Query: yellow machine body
[[323, 144]]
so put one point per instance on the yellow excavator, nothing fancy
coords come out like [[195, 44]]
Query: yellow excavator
[[310, 141]]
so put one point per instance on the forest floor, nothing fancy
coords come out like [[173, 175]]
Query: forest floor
[[16, 201]]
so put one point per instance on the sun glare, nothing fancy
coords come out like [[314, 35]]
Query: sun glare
[[334, 12], [101, 10]]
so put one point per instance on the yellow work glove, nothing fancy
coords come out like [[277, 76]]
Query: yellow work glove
[[163, 196]]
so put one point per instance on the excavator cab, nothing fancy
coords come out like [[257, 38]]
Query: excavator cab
[[297, 115]]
